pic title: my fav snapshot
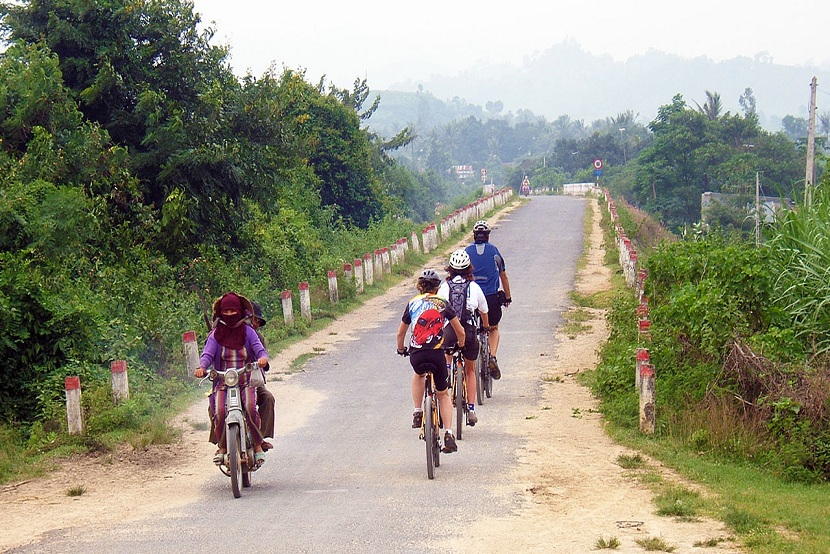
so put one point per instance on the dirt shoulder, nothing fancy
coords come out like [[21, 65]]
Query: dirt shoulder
[[572, 489]]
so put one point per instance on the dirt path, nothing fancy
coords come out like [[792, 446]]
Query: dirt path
[[574, 492]]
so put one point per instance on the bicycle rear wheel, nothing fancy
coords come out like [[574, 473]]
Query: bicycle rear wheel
[[430, 436], [460, 399], [486, 378], [479, 380]]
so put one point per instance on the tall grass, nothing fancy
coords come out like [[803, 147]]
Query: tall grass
[[800, 247]]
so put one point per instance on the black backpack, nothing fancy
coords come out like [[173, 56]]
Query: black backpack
[[458, 300]]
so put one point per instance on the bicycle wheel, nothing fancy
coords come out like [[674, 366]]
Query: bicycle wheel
[[486, 378], [460, 399], [479, 380], [436, 444], [234, 463], [430, 434]]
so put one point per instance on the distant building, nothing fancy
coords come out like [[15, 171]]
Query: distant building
[[463, 172]]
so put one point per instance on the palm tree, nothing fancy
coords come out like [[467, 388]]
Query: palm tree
[[713, 106]]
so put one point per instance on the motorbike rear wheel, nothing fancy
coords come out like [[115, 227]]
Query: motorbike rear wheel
[[234, 461]]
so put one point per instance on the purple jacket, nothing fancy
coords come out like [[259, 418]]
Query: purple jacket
[[212, 348]]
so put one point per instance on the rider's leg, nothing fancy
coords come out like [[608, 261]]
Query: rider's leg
[[249, 404], [265, 405], [470, 376], [494, 339], [418, 386], [445, 408]]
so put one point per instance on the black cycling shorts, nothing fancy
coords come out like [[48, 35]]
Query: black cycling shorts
[[436, 358], [493, 309], [470, 350]]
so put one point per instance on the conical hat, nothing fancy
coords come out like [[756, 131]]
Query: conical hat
[[247, 307]]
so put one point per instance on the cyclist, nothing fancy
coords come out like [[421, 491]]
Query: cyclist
[[466, 298], [427, 314], [489, 271]]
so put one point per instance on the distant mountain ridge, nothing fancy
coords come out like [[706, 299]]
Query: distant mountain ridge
[[566, 80]]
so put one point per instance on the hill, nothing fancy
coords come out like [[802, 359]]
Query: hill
[[566, 80]]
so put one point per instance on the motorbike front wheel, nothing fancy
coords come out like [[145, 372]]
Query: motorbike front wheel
[[234, 462]]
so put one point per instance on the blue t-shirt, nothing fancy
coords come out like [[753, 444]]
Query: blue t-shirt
[[487, 265]]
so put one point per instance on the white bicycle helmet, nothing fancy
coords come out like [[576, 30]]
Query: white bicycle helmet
[[460, 259], [481, 226], [431, 276]]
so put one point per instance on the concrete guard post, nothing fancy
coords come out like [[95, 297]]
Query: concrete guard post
[[368, 270], [377, 265], [334, 298], [305, 300], [643, 357], [393, 255], [647, 415], [348, 273], [287, 307], [120, 386], [358, 275], [416, 247], [385, 262], [425, 240], [74, 417], [191, 351]]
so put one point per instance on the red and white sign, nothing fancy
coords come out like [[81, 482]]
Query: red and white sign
[[597, 164]]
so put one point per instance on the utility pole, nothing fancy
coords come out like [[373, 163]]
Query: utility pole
[[811, 147], [757, 210]]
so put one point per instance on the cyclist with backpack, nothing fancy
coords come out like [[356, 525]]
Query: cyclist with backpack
[[490, 274], [427, 314], [466, 298]]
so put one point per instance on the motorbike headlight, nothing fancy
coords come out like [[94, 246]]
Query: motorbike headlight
[[231, 378]]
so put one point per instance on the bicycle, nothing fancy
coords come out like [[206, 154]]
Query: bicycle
[[431, 420], [483, 377], [458, 384]]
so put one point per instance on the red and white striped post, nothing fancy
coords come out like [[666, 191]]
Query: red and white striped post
[[333, 296], [643, 357], [425, 240], [74, 417], [393, 255], [416, 247], [647, 415], [358, 275], [120, 386], [348, 274], [191, 351], [384, 260], [644, 329], [377, 265], [305, 300], [287, 307], [368, 270]]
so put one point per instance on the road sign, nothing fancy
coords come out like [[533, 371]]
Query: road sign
[[597, 164]]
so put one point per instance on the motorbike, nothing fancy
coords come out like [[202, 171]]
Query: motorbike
[[239, 462]]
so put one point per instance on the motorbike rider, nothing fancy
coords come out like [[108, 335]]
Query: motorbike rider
[[264, 399], [228, 346], [489, 271]]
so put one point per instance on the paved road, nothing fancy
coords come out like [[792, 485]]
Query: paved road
[[353, 479]]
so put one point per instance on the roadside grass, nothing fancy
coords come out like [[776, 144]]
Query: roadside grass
[[768, 515], [611, 543], [655, 544]]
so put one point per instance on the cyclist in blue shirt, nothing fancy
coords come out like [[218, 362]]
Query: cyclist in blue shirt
[[491, 276]]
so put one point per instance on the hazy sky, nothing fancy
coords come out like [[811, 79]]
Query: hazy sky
[[390, 41]]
